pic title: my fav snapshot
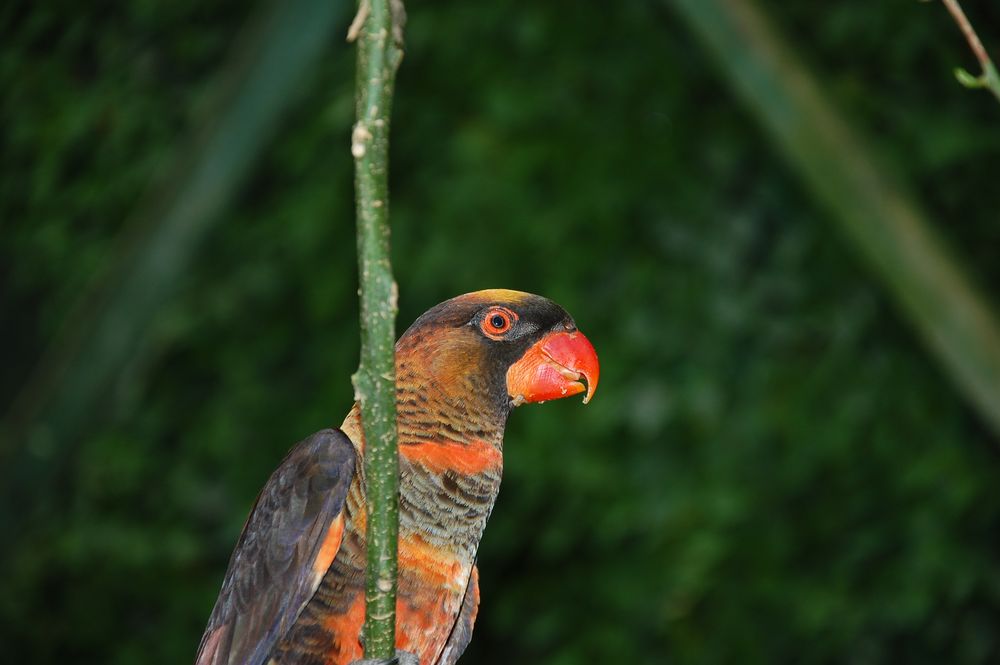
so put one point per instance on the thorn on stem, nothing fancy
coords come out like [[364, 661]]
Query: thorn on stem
[[968, 80], [359, 21], [398, 21], [359, 138]]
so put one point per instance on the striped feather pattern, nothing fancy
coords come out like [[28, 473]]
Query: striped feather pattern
[[452, 403], [450, 469]]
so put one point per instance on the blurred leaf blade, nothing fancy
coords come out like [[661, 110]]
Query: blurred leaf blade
[[101, 332], [882, 220]]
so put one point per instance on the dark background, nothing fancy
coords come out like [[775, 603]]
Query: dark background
[[774, 469]]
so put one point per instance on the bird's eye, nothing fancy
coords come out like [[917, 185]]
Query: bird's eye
[[498, 320]]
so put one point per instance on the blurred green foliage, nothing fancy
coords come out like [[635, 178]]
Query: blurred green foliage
[[773, 469]]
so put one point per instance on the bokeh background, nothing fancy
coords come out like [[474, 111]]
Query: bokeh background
[[775, 468]]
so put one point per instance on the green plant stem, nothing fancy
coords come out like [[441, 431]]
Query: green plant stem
[[378, 31], [989, 78], [880, 219]]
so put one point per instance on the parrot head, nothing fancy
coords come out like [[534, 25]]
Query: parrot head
[[506, 347]]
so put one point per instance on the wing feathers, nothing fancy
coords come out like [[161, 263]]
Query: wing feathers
[[294, 529]]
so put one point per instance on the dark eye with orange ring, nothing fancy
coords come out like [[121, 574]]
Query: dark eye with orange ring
[[497, 321]]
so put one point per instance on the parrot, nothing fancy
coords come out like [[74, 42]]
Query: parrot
[[294, 590]]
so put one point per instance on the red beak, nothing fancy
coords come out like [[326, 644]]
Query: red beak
[[552, 369]]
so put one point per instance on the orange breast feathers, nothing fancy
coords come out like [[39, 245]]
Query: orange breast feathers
[[430, 568], [463, 458], [432, 584]]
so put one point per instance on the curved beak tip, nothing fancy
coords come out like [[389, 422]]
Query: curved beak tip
[[590, 375], [575, 352], [553, 368]]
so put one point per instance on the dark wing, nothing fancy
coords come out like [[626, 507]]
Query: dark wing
[[288, 542], [461, 633]]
